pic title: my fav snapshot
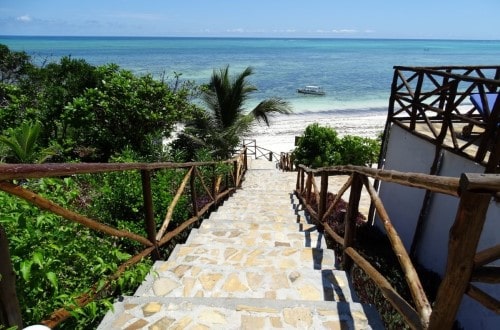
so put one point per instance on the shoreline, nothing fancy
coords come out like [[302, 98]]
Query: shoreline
[[280, 135]]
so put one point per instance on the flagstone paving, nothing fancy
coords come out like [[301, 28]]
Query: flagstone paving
[[255, 263]]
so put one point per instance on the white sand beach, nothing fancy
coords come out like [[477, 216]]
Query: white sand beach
[[280, 135]]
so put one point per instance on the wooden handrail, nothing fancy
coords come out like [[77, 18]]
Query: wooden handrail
[[399, 303], [439, 184], [472, 189], [11, 172], [412, 278], [36, 171], [50, 206], [172, 205]]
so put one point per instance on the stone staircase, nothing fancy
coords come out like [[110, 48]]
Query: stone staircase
[[255, 263]]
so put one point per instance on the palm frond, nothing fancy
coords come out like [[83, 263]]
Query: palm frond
[[270, 107], [22, 144], [225, 96]]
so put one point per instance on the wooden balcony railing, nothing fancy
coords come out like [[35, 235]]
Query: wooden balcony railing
[[464, 264], [454, 107], [157, 235]]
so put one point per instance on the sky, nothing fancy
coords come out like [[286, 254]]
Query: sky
[[417, 19]]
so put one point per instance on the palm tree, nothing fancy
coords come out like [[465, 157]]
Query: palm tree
[[225, 121], [21, 144]]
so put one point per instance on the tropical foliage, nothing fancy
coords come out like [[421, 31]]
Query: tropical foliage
[[22, 145], [90, 113], [225, 120], [13, 65], [123, 111], [321, 146], [57, 260], [71, 111]]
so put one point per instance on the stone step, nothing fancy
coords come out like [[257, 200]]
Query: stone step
[[224, 215], [256, 256], [280, 216], [228, 313], [271, 203], [248, 225], [282, 200], [263, 238], [275, 186], [175, 279]]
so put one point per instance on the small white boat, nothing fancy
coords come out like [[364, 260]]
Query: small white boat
[[315, 90]]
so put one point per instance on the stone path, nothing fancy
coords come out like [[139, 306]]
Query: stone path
[[256, 263]]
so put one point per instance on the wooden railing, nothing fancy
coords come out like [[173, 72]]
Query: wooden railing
[[157, 236], [286, 161], [464, 264], [434, 103], [258, 152]]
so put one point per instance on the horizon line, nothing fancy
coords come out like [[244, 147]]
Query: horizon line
[[242, 37]]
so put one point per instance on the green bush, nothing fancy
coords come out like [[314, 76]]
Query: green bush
[[320, 146], [356, 150]]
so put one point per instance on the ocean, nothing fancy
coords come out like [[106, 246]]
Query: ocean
[[356, 74]]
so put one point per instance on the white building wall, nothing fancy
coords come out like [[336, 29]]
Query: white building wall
[[408, 153]]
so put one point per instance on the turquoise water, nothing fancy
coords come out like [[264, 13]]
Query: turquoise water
[[355, 73]]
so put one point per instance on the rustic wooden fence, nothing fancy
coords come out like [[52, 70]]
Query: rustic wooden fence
[[157, 235], [464, 264], [456, 108]]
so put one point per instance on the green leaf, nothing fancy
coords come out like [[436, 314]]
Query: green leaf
[[51, 276], [38, 258], [26, 269]]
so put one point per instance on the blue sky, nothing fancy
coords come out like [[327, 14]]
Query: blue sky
[[447, 19]]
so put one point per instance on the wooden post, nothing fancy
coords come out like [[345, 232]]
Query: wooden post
[[214, 184], [415, 99], [350, 218], [10, 312], [302, 181], [194, 197], [299, 181], [245, 155], [309, 187], [149, 219], [463, 240], [235, 173], [323, 199]]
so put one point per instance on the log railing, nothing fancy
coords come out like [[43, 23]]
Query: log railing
[[435, 103], [157, 236], [286, 161], [464, 264]]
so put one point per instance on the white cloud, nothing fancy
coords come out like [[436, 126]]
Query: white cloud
[[345, 31], [238, 30], [24, 18], [137, 16], [285, 31]]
